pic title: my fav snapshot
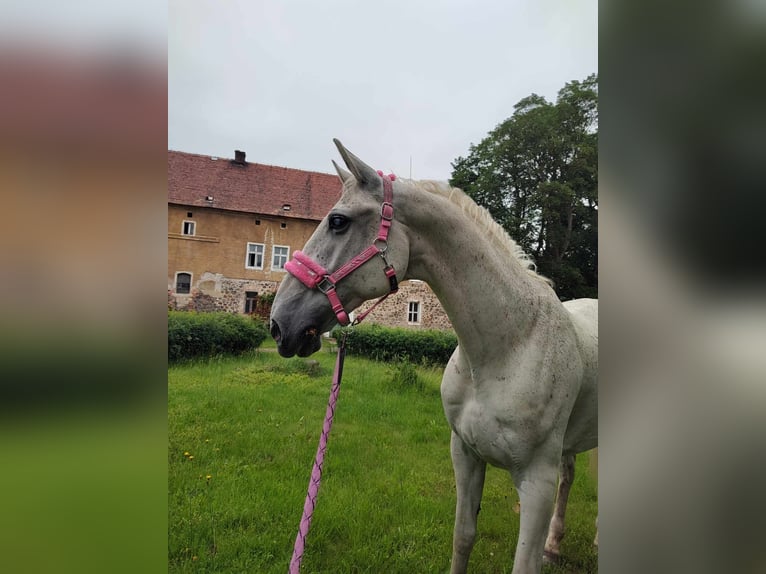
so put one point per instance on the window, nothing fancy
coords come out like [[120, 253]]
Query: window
[[183, 283], [413, 312], [251, 300], [188, 228], [279, 257], [254, 258]]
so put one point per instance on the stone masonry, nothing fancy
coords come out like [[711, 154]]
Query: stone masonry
[[214, 292], [394, 311]]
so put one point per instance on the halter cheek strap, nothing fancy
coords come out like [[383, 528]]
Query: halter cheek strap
[[314, 276]]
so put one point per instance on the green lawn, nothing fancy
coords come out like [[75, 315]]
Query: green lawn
[[243, 433]]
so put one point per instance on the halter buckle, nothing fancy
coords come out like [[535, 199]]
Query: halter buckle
[[325, 285], [387, 211]]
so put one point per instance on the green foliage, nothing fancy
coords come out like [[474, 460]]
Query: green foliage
[[267, 298], [194, 335], [424, 347], [404, 377], [537, 174]]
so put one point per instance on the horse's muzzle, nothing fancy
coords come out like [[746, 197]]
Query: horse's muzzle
[[305, 343]]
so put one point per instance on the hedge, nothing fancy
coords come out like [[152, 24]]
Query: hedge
[[192, 334], [430, 347]]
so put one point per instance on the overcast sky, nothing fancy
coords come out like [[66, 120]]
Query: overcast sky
[[393, 80]]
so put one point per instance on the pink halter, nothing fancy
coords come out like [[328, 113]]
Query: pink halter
[[314, 276]]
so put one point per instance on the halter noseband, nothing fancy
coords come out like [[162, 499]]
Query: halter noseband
[[314, 276]]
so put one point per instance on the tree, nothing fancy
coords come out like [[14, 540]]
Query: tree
[[537, 174]]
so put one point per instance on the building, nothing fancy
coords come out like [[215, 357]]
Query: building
[[233, 224]]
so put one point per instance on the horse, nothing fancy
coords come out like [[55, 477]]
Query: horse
[[519, 391]]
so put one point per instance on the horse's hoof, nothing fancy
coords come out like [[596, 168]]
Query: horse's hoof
[[551, 558]]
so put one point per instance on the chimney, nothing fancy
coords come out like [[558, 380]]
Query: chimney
[[239, 157]]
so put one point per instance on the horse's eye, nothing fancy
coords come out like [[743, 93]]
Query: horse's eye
[[338, 222]]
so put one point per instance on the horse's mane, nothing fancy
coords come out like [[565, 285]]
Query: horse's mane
[[482, 217]]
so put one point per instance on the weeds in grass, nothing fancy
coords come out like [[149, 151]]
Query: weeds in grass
[[404, 377]]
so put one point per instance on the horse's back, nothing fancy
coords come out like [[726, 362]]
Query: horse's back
[[584, 313], [584, 309]]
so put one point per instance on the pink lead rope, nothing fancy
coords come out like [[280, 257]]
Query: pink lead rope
[[314, 276], [316, 471]]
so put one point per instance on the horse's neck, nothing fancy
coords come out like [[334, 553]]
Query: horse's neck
[[491, 299]]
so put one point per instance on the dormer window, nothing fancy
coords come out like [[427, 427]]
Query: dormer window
[[286, 207]]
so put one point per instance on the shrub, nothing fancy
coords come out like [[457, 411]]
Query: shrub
[[424, 347], [192, 334], [404, 376]]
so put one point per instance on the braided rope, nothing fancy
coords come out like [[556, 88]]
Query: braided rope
[[316, 472]]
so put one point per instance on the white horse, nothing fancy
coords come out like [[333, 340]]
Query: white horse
[[520, 391]]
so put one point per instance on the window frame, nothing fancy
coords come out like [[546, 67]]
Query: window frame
[[273, 256], [417, 313], [175, 282], [193, 228], [247, 255], [253, 298]]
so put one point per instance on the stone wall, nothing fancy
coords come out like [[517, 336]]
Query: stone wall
[[214, 292], [393, 312]]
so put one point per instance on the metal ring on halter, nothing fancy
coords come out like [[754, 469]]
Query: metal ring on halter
[[381, 250]]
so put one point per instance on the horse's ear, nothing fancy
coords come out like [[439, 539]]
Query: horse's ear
[[342, 173], [363, 173]]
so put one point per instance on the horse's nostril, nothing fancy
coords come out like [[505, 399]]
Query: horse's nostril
[[275, 332]]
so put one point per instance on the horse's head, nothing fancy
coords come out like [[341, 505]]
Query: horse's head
[[350, 258]]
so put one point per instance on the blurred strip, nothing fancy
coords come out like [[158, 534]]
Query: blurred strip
[[683, 312], [82, 174], [83, 137]]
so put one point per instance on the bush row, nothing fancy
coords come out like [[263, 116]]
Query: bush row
[[192, 334], [425, 347]]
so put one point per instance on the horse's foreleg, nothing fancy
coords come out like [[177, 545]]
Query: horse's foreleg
[[536, 485], [469, 479], [556, 528]]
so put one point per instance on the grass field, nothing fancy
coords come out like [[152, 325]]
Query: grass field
[[242, 437]]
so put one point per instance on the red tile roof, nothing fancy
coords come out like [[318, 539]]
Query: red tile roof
[[252, 188]]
